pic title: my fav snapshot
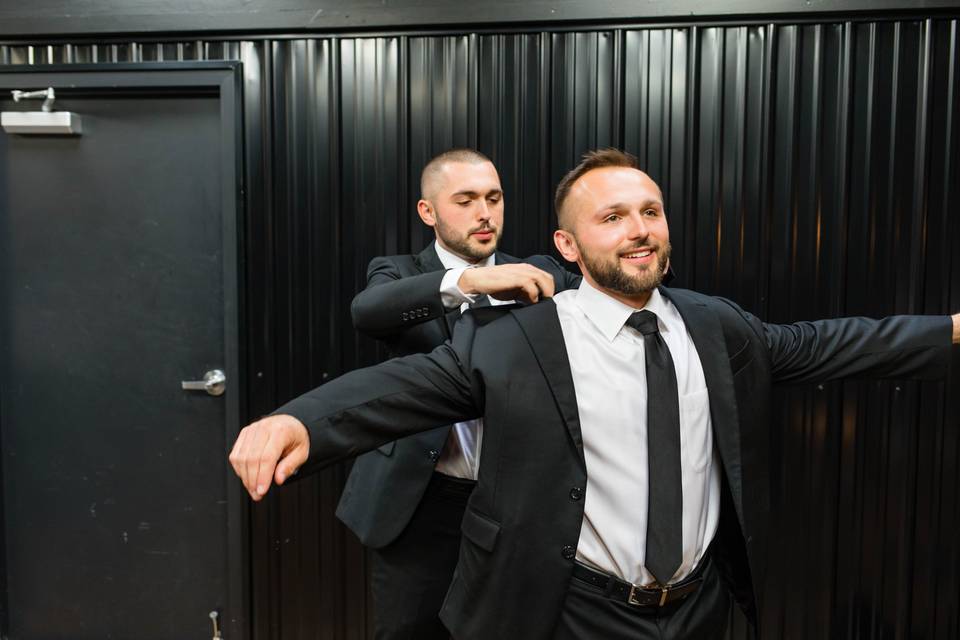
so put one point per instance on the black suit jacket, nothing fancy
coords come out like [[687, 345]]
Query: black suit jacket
[[401, 306], [523, 521]]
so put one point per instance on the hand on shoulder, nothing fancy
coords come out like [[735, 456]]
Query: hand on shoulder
[[517, 281]]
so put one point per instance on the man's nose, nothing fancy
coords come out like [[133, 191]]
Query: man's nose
[[637, 227], [483, 210]]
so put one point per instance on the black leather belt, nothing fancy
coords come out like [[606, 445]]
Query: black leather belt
[[623, 591]]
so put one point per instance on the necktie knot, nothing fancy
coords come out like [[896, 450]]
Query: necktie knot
[[644, 321]]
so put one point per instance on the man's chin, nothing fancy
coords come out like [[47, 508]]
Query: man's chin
[[480, 250], [487, 245]]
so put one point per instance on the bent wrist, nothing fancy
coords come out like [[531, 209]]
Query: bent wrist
[[451, 293]]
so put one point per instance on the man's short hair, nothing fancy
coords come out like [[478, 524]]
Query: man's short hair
[[591, 160], [431, 172]]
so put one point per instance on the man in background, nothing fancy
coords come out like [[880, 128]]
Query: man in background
[[405, 500]]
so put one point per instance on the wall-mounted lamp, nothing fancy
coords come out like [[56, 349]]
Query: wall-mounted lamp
[[43, 122]]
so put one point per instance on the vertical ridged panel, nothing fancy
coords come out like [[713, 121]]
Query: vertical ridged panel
[[808, 170], [584, 111]]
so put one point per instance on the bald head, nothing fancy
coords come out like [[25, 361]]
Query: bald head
[[433, 177]]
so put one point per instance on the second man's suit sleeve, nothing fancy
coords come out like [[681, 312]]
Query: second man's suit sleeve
[[392, 302]]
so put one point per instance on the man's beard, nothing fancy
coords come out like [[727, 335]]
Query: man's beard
[[610, 274], [461, 246]]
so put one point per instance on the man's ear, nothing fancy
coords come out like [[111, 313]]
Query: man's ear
[[426, 212], [567, 245]]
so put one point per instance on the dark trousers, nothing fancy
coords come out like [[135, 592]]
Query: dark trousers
[[411, 575], [588, 614]]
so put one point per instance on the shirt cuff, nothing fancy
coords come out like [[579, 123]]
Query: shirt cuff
[[450, 293]]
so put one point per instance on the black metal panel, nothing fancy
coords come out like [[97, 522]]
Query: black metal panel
[[98, 17], [809, 169]]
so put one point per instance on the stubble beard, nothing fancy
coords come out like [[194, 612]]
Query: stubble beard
[[461, 245], [610, 274]]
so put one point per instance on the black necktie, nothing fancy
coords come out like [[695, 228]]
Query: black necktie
[[482, 301], [665, 500]]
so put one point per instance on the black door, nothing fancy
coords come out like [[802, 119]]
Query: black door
[[118, 282]]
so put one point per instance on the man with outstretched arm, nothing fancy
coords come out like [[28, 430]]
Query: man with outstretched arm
[[623, 489], [406, 499]]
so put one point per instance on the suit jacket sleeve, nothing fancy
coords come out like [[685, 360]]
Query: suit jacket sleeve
[[392, 302], [369, 407], [917, 347]]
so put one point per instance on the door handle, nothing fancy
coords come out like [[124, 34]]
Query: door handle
[[214, 382]]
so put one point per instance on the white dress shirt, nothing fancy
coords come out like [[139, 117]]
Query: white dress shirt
[[460, 457], [609, 376]]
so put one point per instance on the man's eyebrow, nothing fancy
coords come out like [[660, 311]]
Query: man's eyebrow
[[474, 194], [617, 206]]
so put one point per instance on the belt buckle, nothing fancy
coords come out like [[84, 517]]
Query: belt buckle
[[632, 598]]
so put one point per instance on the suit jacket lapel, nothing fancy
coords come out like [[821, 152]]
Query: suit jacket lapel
[[541, 325], [707, 335], [428, 260]]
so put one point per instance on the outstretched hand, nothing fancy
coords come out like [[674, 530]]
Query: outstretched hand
[[269, 450], [519, 281]]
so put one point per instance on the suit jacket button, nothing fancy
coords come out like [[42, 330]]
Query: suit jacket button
[[434, 455], [568, 552], [576, 493], [404, 315]]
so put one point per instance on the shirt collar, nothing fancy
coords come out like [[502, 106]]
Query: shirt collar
[[453, 261], [609, 314]]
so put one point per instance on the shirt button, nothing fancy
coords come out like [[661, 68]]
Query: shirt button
[[568, 552], [576, 493], [434, 455]]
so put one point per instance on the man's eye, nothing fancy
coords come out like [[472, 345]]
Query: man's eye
[[651, 212], [611, 218], [493, 199], [464, 203]]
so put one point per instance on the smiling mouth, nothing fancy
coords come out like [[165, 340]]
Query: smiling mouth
[[637, 254]]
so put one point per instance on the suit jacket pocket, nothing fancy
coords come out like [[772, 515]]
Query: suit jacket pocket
[[741, 358], [387, 449], [480, 529]]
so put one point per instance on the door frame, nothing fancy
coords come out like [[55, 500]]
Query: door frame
[[223, 78]]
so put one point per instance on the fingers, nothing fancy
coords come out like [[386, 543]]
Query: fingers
[[510, 281], [544, 283], [290, 463], [272, 448], [529, 292]]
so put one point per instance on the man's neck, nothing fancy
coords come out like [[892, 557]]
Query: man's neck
[[637, 301]]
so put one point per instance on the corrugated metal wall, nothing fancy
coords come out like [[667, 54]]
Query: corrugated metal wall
[[809, 170]]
